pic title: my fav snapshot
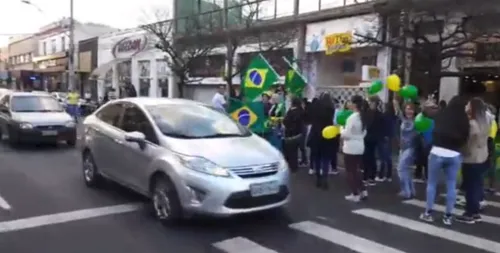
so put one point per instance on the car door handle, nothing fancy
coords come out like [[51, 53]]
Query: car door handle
[[118, 141]]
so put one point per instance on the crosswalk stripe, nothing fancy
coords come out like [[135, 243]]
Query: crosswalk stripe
[[470, 240], [441, 208], [241, 245], [352, 242], [489, 203]]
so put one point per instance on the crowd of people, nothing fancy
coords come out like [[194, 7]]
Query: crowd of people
[[460, 139]]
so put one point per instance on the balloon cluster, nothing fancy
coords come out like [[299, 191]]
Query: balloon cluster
[[393, 83]]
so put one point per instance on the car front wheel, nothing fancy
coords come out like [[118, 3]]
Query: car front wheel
[[165, 202], [91, 174]]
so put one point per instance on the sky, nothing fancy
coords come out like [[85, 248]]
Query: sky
[[21, 18]]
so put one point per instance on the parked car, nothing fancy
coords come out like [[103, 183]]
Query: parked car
[[185, 156], [35, 118]]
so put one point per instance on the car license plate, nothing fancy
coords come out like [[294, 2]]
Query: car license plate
[[49, 133], [262, 189]]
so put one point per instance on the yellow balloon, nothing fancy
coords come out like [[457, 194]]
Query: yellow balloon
[[330, 132], [393, 83]]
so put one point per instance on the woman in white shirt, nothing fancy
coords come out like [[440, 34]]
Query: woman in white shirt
[[353, 147]]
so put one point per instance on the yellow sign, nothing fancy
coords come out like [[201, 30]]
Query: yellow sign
[[338, 43]]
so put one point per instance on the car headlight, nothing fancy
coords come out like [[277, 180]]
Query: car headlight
[[24, 125], [282, 164], [70, 123], [203, 165]]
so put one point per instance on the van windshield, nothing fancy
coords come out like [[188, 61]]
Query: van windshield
[[195, 122]]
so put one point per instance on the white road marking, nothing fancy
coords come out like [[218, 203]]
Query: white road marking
[[441, 208], [450, 235], [341, 238], [488, 203], [4, 204], [51, 219], [241, 245]]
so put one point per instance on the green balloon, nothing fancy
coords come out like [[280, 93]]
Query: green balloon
[[422, 123], [375, 87], [408, 91], [342, 117]]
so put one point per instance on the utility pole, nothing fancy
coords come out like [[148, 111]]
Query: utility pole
[[71, 53]]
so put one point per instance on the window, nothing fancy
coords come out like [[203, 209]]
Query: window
[[53, 46], [162, 74], [35, 104], [194, 121], [63, 43], [144, 77], [487, 51], [110, 114], [124, 71], [44, 48], [207, 66], [134, 119]]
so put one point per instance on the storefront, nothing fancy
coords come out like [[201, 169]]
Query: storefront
[[52, 72], [336, 64], [130, 57]]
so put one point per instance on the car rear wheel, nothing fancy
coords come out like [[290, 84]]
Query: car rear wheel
[[165, 202], [71, 142], [13, 139], [91, 174]]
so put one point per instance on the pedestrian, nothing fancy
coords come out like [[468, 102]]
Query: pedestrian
[[336, 142], [312, 152], [306, 121], [293, 123], [276, 114], [384, 149], [322, 148], [475, 156], [451, 131], [72, 103], [353, 147], [408, 138], [429, 110], [374, 135], [219, 100], [491, 151]]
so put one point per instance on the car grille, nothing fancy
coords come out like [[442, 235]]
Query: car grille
[[51, 127], [241, 200], [256, 170]]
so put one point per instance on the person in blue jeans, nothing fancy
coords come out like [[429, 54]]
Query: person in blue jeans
[[408, 137], [475, 160], [451, 131], [384, 149]]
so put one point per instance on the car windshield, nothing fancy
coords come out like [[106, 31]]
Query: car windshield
[[195, 122], [35, 104]]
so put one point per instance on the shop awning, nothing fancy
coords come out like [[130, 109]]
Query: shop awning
[[101, 71]]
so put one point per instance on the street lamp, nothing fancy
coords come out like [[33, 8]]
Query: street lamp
[[71, 51]]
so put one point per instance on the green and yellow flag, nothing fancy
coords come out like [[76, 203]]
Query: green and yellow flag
[[258, 78], [248, 114], [294, 81]]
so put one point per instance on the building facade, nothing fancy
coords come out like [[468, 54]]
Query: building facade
[[52, 58], [22, 49], [87, 62], [130, 56], [4, 66]]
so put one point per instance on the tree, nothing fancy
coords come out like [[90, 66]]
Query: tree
[[203, 28], [434, 32], [179, 56]]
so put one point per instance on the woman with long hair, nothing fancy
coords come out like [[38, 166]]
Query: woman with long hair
[[373, 138], [475, 156], [321, 147], [353, 147], [408, 138], [451, 131], [309, 112], [384, 149], [294, 128]]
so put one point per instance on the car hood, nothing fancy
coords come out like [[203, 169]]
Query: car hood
[[42, 118], [229, 152]]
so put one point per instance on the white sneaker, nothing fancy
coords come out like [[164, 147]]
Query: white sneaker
[[483, 204], [333, 172], [364, 194], [379, 179], [311, 172], [353, 198]]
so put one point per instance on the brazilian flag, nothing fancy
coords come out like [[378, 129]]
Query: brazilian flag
[[258, 78], [294, 81], [248, 114]]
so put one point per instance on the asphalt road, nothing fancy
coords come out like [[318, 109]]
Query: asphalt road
[[46, 208]]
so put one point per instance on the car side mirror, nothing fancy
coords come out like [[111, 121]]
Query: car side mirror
[[136, 137], [4, 109]]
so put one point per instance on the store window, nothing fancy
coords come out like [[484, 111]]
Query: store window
[[144, 77], [162, 74], [63, 43], [124, 71]]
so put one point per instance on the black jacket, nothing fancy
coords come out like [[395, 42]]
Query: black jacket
[[375, 125], [451, 125], [294, 122], [321, 117]]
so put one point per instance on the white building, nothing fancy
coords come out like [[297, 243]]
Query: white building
[[51, 59], [130, 56]]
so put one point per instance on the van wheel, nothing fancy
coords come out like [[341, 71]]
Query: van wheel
[[91, 174], [165, 202]]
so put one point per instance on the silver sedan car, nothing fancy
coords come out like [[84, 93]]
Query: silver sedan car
[[185, 156]]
